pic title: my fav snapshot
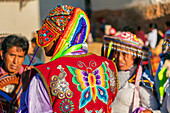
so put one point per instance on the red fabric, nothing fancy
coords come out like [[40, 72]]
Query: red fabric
[[141, 35], [50, 69]]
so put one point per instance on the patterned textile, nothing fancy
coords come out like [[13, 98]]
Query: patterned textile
[[125, 42], [80, 83], [71, 25], [11, 89], [146, 80]]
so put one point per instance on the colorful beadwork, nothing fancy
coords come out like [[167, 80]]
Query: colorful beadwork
[[48, 68], [112, 78], [59, 86], [127, 36], [66, 106], [46, 35], [54, 24], [92, 83], [125, 42], [76, 31], [71, 25]]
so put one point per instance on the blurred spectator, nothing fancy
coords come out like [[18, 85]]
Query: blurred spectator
[[152, 36], [162, 80], [90, 38], [35, 62], [140, 34], [14, 49], [103, 21], [167, 33], [2, 37], [93, 29], [40, 53], [129, 29]]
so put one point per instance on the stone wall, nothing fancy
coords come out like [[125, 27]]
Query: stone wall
[[134, 16]]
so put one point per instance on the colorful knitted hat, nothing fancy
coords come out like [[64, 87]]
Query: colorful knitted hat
[[125, 42], [71, 25]]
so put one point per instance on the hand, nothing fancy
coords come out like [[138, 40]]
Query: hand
[[28, 68], [26, 77], [146, 111], [167, 66]]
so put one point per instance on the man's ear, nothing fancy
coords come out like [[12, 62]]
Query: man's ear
[[1, 53]]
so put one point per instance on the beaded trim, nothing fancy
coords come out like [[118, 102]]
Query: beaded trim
[[120, 45]]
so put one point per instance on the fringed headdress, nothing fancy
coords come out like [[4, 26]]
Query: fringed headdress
[[125, 42]]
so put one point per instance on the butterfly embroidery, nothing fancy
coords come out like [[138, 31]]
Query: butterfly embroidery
[[91, 84]]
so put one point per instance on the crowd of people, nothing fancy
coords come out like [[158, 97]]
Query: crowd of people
[[77, 81]]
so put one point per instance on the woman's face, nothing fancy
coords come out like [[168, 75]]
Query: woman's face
[[124, 61]]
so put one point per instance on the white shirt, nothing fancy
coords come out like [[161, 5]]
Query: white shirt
[[152, 38]]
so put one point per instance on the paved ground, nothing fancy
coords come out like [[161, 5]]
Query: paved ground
[[95, 47]]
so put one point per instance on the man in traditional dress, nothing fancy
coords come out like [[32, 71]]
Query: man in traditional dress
[[74, 80]]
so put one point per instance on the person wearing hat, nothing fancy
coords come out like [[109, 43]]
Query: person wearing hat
[[74, 80], [135, 79], [167, 32], [162, 78]]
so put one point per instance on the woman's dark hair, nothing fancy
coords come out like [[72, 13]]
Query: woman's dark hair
[[167, 23], [153, 25], [14, 40]]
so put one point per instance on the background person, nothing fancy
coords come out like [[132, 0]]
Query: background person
[[39, 54], [141, 35], [14, 49], [152, 36], [167, 32], [128, 56], [162, 78]]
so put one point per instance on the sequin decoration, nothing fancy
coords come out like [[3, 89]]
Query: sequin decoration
[[92, 84], [66, 106], [60, 16], [59, 86], [127, 36], [112, 78], [46, 35], [54, 24]]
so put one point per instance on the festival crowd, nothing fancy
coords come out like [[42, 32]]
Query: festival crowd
[[124, 79]]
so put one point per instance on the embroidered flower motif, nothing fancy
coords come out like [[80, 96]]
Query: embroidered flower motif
[[92, 83], [59, 86], [66, 106]]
